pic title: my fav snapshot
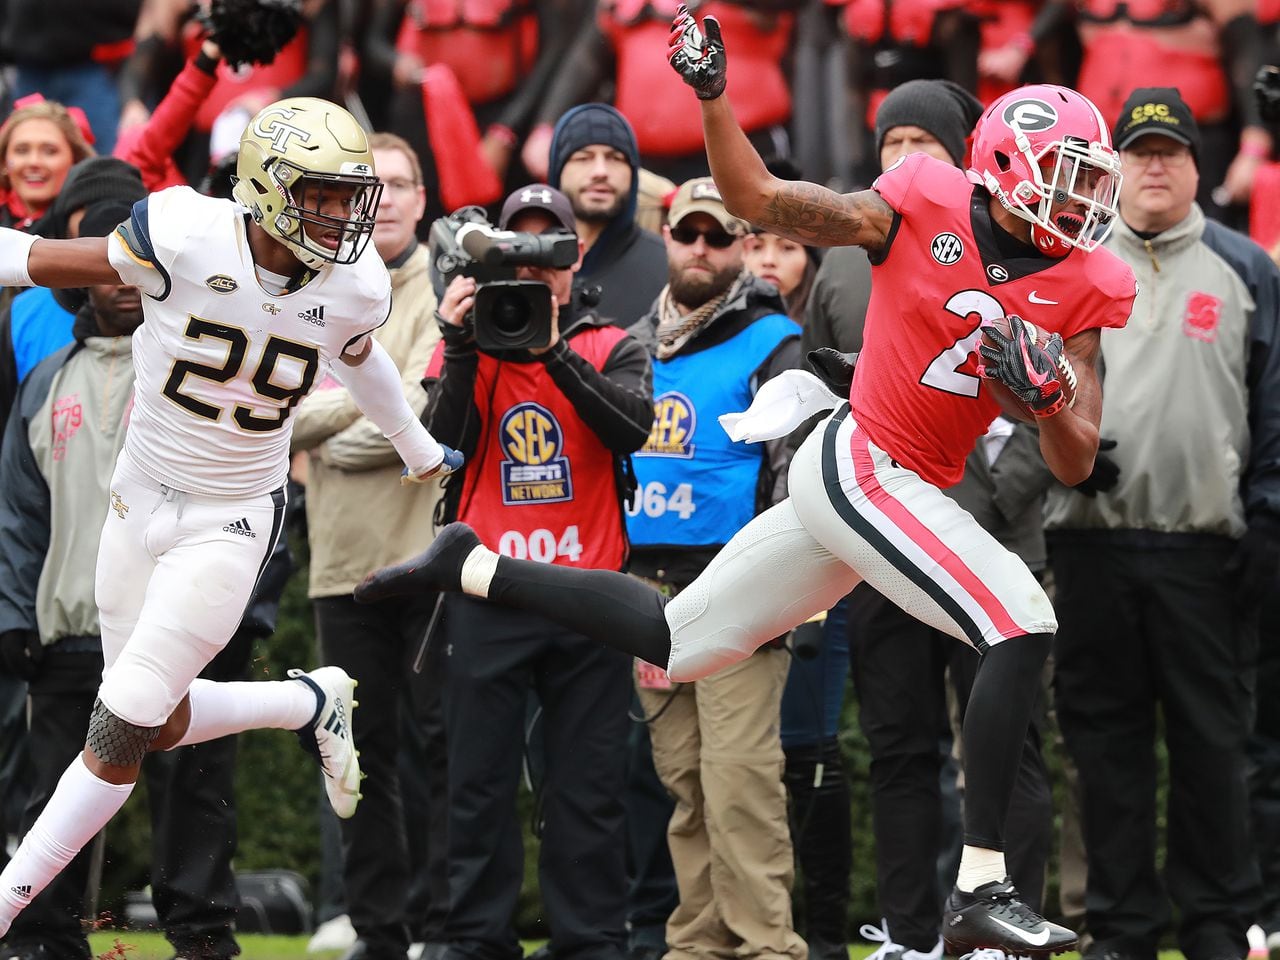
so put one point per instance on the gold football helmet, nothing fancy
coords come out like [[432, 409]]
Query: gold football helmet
[[297, 157]]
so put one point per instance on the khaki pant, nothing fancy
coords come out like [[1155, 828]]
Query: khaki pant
[[716, 748]]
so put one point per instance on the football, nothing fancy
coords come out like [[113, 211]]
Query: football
[[1010, 404]]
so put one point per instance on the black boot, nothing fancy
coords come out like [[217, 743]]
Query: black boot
[[820, 833]]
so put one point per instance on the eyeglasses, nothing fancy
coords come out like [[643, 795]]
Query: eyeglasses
[[716, 239], [401, 186], [1173, 157]]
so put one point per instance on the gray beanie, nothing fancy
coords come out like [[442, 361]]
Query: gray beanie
[[945, 109]]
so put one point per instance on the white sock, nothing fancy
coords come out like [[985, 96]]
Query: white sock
[[478, 570], [220, 709], [978, 865], [80, 806]]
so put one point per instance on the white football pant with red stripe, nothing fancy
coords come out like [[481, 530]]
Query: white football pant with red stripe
[[853, 515]]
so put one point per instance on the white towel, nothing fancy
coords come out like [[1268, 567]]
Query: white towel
[[779, 406]]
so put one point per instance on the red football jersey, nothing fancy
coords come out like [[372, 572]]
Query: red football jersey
[[916, 391]]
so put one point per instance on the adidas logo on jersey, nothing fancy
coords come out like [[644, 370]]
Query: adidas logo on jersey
[[23, 891], [314, 316], [240, 528]]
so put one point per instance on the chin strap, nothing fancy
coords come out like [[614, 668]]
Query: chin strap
[[1048, 243]]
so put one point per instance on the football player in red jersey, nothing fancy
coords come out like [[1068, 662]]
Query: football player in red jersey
[[952, 252]]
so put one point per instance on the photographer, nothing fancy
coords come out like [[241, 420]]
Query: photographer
[[544, 428]]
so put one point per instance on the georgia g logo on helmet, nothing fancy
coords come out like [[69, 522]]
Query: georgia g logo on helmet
[[1031, 116], [270, 123]]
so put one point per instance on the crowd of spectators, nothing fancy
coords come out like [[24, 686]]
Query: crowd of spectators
[[666, 835]]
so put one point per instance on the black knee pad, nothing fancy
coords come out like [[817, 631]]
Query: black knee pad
[[117, 742]]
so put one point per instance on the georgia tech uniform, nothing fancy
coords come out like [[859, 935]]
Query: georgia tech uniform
[[197, 500]]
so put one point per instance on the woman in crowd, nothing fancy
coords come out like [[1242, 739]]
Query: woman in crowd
[[39, 143]]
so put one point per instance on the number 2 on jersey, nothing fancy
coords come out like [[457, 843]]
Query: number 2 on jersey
[[943, 372], [237, 346]]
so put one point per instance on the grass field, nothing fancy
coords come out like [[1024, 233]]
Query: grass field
[[152, 946]]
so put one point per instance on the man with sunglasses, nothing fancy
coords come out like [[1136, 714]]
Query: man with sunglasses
[[1160, 578], [714, 333]]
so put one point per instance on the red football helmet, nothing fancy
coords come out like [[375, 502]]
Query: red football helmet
[[1045, 153]]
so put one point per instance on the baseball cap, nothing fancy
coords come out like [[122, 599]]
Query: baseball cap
[[538, 196], [1157, 110], [701, 195]]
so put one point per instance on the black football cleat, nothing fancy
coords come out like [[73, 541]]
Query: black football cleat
[[995, 917], [439, 567]]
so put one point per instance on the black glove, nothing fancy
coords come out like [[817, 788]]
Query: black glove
[[1029, 370], [1266, 89], [699, 59], [1255, 566], [1105, 475], [21, 653], [833, 368]]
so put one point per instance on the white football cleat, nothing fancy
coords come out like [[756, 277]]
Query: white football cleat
[[328, 736]]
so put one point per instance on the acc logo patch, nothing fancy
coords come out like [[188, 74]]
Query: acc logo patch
[[1029, 115], [534, 467], [674, 421], [221, 283], [946, 248]]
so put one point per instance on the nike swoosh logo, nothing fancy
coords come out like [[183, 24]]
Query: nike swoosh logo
[[1037, 299], [1038, 940]]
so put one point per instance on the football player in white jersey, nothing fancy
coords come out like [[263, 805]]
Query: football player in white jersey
[[244, 304]]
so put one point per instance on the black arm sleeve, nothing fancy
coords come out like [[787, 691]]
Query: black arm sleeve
[[957, 34], [451, 413], [1241, 57], [555, 34], [616, 402], [585, 67], [322, 56], [24, 514], [380, 41]]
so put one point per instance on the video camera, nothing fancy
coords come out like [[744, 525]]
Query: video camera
[[509, 314]]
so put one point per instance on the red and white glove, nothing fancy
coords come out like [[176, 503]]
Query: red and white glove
[[697, 54]]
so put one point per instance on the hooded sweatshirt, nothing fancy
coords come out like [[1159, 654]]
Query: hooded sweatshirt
[[628, 264]]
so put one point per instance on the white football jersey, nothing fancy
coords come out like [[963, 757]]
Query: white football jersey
[[221, 363]]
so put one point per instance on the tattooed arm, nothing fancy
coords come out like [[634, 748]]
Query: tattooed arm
[[804, 212]]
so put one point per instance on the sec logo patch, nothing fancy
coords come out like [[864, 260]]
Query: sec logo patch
[[946, 248]]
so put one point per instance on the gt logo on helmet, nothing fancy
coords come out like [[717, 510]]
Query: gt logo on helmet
[[269, 124], [1031, 116]]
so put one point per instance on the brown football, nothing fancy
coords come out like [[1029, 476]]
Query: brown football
[[1010, 405]]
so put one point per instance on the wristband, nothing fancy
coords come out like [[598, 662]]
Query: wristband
[[15, 248], [500, 131]]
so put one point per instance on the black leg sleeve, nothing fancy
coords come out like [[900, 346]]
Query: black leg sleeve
[[610, 608], [995, 733]]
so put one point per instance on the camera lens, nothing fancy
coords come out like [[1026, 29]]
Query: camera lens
[[511, 315]]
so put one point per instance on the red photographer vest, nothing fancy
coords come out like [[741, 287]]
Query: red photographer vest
[[541, 485], [647, 87], [489, 44]]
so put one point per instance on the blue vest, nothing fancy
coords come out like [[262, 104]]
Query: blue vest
[[38, 326], [695, 486]]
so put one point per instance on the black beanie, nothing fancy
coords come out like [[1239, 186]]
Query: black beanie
[[944, 109], [588, 124], [90, 181]]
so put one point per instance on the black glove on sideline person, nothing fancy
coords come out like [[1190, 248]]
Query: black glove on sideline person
[[21, 653], [1105, 475], [1255, 566]]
